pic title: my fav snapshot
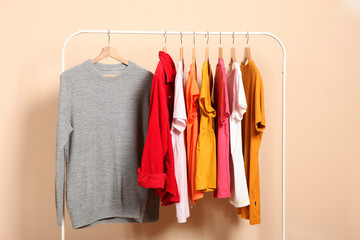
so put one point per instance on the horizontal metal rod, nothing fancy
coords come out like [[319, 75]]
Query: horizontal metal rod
[[173, 32]]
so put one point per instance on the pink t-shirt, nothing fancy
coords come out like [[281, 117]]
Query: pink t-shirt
[[222, 130]]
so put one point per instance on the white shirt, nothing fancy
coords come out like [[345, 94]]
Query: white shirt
[[178, 141], [238, 106]]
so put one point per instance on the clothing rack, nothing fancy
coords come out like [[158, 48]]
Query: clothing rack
[[201, 33]]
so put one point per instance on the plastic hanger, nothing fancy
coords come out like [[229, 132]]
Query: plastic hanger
[[247, 56], [207, 47], [193, 60], [220, 49], [233, 53], [164, 48], [109, 52]]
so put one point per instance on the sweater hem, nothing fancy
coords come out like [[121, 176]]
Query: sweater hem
[[106, 218]]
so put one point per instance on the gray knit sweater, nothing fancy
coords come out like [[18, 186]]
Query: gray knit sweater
[[101, 130]]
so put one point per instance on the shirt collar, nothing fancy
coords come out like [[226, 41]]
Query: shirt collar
[[170, 70]]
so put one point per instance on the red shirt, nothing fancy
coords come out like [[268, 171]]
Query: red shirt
[[157, 164]]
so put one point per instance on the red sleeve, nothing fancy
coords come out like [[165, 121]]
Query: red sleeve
[[170, 194], [151, 172]]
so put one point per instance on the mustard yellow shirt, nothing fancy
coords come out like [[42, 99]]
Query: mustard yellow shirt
[[206, 145], [253, 126]]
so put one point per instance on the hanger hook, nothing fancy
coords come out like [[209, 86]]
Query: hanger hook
[[194, 39], [247, 38], [220, 38], [233, 37], [181, 38], [208, 36], [165, 36], [108, 37]]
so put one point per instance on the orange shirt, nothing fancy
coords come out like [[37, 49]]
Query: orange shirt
[[206, 145], [253, 125], [192, 128]]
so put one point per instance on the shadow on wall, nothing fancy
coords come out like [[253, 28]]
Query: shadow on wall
[[209, 219], [38, 220]]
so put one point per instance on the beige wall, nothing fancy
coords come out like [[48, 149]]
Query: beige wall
[[323, 95]]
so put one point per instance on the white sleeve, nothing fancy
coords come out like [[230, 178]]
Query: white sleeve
[[240, 105]]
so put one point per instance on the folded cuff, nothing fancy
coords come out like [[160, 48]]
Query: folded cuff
[[151, 180], [168, 198]]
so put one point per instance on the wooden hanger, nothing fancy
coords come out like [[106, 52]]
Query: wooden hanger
[[181, 53], [207, 53], [193, 57], [109, 52], [233, 53], [207, 48], [181, 48], [220, 49], [164, 49], [247, 55]]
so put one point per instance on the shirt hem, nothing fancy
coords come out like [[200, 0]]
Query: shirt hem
[[240, 204], [222, 195]]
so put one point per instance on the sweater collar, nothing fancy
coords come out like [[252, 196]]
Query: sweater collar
[[170, 70]]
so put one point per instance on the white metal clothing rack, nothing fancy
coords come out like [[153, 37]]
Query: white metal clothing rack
[[204, 33]]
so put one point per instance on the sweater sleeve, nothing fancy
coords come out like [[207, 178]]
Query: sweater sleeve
[[63, 131], [151, 172]]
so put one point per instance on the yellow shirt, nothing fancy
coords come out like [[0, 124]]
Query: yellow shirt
[[253, 125], [206, 145]]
